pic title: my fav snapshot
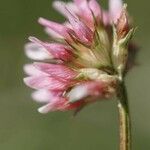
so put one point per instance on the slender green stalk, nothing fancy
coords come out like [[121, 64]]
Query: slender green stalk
[[124, 118]]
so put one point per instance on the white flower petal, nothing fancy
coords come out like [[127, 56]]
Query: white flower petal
[[77, 93], [45, 109], [31, 70], [53, 34], [36, 52], [115, 8], [42, 96]]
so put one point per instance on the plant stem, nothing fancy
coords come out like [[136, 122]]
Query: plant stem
[[124, 118]]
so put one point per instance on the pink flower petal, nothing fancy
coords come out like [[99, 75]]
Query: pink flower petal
[[106, 18], [60, 7], [56, 27], [87, 16], [64, 8], [78, 2], [56, 70], [31, 70], [59, 104], [58, 51], [82, 31], [45, 82], [53, 34], [95, 8], [67, 24]]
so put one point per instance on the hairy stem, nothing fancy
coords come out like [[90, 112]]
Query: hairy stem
[[124, 118]]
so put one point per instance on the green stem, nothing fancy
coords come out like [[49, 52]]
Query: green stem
[[124, 118]]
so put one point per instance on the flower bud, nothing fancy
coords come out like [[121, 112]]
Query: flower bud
[[122, 25], [120, 51], [122, 35]]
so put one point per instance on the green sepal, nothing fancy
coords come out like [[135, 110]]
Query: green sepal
[[120, 50]]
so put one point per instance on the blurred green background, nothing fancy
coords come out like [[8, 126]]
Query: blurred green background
[[23, 128]]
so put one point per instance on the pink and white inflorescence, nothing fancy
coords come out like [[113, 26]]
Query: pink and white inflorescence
[[76, 68]]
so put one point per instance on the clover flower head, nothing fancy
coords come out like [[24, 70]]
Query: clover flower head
[[87, 56]]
